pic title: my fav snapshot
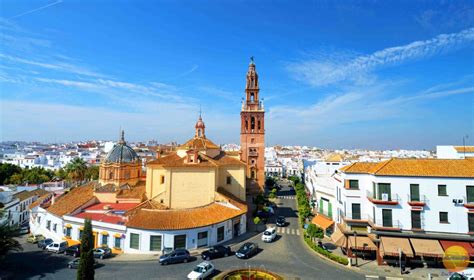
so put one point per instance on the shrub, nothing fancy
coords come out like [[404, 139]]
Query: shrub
[[329, 255], [256, 220], [314, 231], [272, 195]]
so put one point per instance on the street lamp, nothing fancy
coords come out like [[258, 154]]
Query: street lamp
[[355, 246]]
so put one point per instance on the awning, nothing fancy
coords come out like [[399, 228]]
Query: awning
[[67, 226], [427, 247], [337, 236], [104, 233], [71, 242], [390, 246], [361, 243], [322, 221], [466, 245], [118, 235]]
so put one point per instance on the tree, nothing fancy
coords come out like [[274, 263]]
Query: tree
[[86, 263], [7, 170], [60, 174], [76, 169], [7, 234], [314, 231], [92, 172], [256, 221]]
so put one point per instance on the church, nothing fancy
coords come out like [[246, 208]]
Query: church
[[192, 197]]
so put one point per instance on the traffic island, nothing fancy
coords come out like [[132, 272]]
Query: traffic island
[[247, 274]]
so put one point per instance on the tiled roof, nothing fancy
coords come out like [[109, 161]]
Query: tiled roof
[[199, 143], [173, 160], [138, 191], [457, 168], [72, 200], [102, 217], [40, 200], [23, 195], [334, 157], [462, 149], [111, 206], [213, 213]]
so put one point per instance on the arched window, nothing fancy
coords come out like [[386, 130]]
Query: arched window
[[111, 175], [199, 132], [252, 97], [252, 174], [252, 123], [246, 125], [258, 125]]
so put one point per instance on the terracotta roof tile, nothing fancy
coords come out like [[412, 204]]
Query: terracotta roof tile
[[199, 143], [138, 191], [173, 160], [40, 200], [72, 200], [458, 168]]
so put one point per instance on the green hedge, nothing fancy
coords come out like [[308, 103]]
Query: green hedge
[[304, 210], [329, 255]]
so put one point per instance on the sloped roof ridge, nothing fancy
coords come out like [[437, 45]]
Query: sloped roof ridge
[[382, 165]]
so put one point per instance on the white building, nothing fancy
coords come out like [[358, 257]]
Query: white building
[[454, 152], [9, 205]]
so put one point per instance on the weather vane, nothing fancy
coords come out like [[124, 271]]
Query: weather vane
[[251, 58]]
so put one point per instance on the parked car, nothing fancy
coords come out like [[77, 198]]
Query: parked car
[[269, 235], [176, 256], [57, 247], [201, 271], [467, 274], [34, 238], [74, 250], [102, 253], [218, 251], [281, 221], [45, 242], [24, 230], [75, 263], [247, 250]]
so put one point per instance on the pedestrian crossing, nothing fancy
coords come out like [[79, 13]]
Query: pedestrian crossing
[[289, 231], [287, 197]]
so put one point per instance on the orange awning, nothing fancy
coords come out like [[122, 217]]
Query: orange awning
[[448, 243], [361, 243], [427, 247], [71, 242], [390, 246], [322, 221]]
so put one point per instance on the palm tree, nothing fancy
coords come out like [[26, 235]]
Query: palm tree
[[76, 169]]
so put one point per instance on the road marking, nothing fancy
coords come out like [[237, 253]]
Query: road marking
[[297, 232], [287, 197], [371, 277], [292, 231]]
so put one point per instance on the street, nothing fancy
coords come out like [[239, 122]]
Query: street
[[287, 256]]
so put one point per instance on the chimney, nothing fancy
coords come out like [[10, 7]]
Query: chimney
[[53, 199]]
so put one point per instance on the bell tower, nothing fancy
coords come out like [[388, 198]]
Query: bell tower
[[252, 132]]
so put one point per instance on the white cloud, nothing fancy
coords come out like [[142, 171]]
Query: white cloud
[[324, 71]]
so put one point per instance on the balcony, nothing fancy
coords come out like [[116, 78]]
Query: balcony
[[417, 200], [383, 199], [378, 224], [348, 217], [468, 203]]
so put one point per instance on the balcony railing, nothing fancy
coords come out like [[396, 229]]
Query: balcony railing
[[378, 223], [384, 198], [349, 216], [467, 203], [419, 200]]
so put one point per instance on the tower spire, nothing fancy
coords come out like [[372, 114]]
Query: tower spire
[[122, 136]]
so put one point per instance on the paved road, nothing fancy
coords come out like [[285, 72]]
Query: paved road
[[288, 256]]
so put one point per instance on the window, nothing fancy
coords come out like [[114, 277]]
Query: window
[[180, 241], [416, 219], [252, 140], [80, 233], [220, 234], [105, 239], [127, 174], [229, 180], [387, 218], [414, 192], [54, 227], [258, 125], [443, 217], [470, 220], [470, 194], [354, 184], [68, 231], [356, 211], [252, 123], [39, 220], [155, 243], [384, 188], [48, 224], [442, 190], [111, 175], [134, 241], [252, 97], [162, 179], [117, 242]]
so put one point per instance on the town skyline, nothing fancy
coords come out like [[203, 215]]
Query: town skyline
[[330, 87]]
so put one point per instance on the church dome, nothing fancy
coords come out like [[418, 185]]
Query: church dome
[[200, 123], [122, 153]]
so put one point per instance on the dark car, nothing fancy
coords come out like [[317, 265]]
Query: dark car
[[247, 250], [218, 251], [74, 250], [281, 221], [43, 243], [176, 256], [75, 263], [102, 253]]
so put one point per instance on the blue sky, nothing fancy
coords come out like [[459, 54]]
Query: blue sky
[[334, 74]]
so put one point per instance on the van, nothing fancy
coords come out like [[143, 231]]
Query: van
[[57, 247]]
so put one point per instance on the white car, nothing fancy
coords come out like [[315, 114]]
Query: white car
[[269, 234], [57, 247], [201, 271]]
